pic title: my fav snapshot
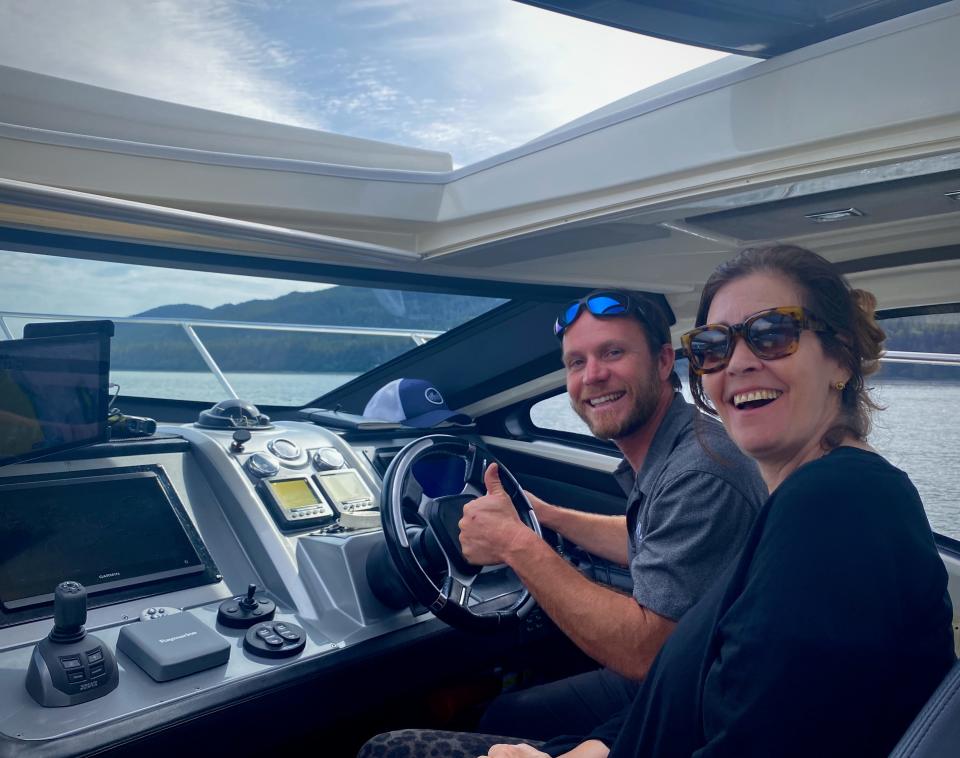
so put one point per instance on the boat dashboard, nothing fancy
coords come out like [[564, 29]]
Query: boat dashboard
[[275, 522]]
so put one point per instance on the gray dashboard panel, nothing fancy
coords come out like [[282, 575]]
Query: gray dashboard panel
[[317, 580]]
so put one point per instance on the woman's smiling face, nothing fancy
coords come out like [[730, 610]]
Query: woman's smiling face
[[776, 411]]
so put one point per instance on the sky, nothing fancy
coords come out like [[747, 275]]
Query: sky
[[468, 77]]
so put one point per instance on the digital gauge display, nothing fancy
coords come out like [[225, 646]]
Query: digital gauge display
[[294, 493], [295, 503], [346, 489]]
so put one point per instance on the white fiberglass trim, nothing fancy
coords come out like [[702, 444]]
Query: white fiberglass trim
[[556, 452], [42, 197], [215, 158], [516, 394]]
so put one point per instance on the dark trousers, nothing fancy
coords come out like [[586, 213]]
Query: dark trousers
[[575, 705]]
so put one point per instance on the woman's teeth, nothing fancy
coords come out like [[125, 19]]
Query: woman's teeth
[[755, 398]]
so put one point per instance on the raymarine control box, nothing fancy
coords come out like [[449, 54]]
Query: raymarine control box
[[174, 646]]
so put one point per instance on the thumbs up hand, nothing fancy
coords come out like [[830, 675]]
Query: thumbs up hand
[[490, 528]]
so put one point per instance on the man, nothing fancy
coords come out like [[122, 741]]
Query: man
[[692, 497]]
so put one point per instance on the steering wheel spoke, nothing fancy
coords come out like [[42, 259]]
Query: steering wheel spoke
[[456, 589], [477, 463], [412, 495]]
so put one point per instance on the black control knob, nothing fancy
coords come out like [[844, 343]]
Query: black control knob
[[246, 610], [69, 612], [240, 438]]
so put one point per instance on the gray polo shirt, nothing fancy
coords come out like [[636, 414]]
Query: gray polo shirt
[[689, 509]]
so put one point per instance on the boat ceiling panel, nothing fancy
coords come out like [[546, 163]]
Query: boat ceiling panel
[[749, 27], [879, 203]]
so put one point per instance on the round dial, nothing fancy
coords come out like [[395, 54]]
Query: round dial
[[284, 449], [327, 458], [261, 464]]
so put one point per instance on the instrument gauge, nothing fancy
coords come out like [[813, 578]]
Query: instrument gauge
[[284, 449], [327, 458], [261, 465]]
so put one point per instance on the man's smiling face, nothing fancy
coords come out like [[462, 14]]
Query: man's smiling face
[[613, 381]]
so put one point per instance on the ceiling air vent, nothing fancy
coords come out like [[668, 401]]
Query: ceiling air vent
[[825, 217]]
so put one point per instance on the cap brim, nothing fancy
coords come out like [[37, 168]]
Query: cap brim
[[433, 418]]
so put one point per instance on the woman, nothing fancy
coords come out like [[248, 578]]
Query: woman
[[833, 628]]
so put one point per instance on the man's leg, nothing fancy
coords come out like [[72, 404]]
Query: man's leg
[[575, 705], [419, 743]]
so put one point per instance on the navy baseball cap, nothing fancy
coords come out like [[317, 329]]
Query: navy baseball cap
[[411, 402]]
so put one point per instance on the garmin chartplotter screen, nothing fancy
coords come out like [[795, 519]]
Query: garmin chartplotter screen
[[53, 394], [107, 532]]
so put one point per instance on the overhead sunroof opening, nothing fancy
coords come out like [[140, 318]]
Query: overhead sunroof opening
[[473, 80]]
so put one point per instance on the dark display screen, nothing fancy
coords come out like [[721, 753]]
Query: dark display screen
[[53, 394], [105, 532]]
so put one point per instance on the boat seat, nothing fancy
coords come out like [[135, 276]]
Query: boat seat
[[935, 732]]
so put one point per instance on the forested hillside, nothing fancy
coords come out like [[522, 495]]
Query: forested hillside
[[167, 348], [936, 333]]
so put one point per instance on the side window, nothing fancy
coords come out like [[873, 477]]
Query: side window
[[919, 430], [555, 414]]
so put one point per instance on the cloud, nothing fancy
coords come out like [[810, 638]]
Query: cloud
[[196, 52], [476, 79]]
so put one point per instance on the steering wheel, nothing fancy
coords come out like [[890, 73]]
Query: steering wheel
[[423, 537]]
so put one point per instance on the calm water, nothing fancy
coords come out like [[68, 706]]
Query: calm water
[[919, 431]]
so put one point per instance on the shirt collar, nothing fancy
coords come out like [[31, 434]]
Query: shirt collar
[[678, 418]]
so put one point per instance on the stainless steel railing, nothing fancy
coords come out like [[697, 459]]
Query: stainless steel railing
[[418, 336]]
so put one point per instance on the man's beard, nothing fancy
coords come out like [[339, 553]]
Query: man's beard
[[645, 400]]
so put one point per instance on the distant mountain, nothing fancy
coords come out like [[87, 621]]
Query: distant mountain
[[168, 348]]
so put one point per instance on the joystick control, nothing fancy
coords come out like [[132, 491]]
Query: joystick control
[[70, 666], [69, 613], [246, 610]]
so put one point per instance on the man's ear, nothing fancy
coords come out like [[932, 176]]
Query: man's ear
[[665, 360]]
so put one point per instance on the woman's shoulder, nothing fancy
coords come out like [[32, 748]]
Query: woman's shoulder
[[847, 480]]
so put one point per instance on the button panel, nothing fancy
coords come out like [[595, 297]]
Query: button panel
[[275, 639]]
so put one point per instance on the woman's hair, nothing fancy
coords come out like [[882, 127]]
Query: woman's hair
[[854, 338]]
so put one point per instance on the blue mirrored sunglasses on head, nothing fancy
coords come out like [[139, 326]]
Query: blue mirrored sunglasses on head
[[603, 304]]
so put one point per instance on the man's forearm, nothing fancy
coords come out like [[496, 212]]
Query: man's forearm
[[604, 536], [609, 627]]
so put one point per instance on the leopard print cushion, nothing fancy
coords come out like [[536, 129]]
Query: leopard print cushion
[[428, 743]]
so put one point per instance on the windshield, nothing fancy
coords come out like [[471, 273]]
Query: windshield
[[275, 342]]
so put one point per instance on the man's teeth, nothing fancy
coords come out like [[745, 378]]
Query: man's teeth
[[743, 398], [595, 401]]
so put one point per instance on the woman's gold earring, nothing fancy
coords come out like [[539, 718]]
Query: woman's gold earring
[[839, 386]]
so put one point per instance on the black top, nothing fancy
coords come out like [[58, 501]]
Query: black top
[[825, 637]]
